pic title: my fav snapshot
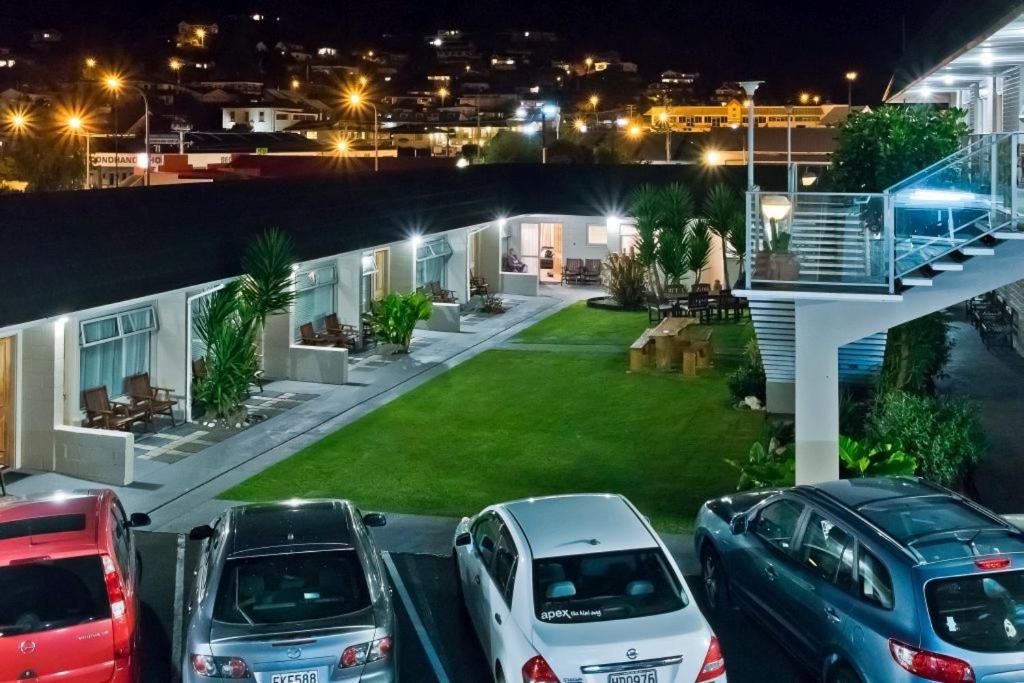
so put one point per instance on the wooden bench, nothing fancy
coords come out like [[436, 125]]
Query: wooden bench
[[696, 351], [640, 351]]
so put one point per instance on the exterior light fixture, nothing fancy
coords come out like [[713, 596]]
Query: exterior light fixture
[[416, 240], [90, 63], [808, 179], [775, 207], [622, 122], [463, 162], [713, 157]]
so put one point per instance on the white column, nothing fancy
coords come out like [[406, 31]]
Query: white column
[[817, 405]]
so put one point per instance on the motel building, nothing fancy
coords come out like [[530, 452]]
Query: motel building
[[108, 285]]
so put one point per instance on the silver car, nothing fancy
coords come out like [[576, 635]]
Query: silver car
[[291, 592]]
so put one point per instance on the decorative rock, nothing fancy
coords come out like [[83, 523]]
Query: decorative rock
[[753, 402]]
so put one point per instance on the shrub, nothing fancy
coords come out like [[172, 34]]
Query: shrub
[[749, 378], [767, 466], [624, 277], [916, 353], [859, 459], [944, 435], [395, 316], [508, 147]]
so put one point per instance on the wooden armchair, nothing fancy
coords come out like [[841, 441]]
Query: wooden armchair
[[698, 305], [592, 271], [369, 332], [440, 294], [478, 285], [154, 400], [102, 413], [345, 335], [573, 271], [310, 337]]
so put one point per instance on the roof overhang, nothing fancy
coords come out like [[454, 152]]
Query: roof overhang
[[989, 54]]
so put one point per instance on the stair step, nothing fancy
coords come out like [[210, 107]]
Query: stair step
[[916, 281], [977, 251], [946, 264], [1008, 235]]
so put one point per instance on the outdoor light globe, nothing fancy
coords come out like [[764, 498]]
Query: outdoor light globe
[[74, 123], [775, 207], [713, 157]]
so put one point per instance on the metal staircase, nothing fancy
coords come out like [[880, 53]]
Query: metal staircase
[[941, 221]]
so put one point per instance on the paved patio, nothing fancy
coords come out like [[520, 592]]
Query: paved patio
[[180, 492]]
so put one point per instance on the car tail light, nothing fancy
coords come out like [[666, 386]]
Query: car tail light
[[931, 666], [364, 653], [537, 670], [995, 563], [714, 663], [119, 613], [220, 667]]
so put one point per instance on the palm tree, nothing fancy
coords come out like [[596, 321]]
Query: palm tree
[[723, 215], [676, 210], [698, 248], [645, 207]]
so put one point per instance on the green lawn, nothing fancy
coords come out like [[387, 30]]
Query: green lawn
[[515, 423], [577, 324]]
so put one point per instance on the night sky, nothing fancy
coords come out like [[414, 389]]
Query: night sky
[[793, 45]]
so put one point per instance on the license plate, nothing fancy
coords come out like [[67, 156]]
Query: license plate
[[642, 676], [296, 677]]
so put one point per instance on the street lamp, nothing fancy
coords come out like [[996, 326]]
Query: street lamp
[[663, 120], [580, 125], [201, 35], [357, 100], [295, 84], [76, 126], [589, 61], [750, 87], [851, 76], [175, 65], [442, 93], [805, 97], [115, 84], [341, 146], [593, 105]]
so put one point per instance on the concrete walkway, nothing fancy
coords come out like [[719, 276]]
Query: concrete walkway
[[993, 380], [183, 494]]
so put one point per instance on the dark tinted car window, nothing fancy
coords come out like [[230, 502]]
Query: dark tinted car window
[[875, 582], [984, 613], [604, 587], [504, 568], [822, 547], [277, 589], [485, 538], [47, 595], [776, 524], [41, 525]]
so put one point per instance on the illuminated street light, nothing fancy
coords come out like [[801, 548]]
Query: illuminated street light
[[76, 126], [90, 63], [805, 98], [116, 84], [295, 84], [175, 65], [851, 76], [580, 125], [635, 131], [713, 157], [589, 61], [442, 93], [18, 121], [816, 99], [201, 35], [363, 80], [357, 100], [342, 146]]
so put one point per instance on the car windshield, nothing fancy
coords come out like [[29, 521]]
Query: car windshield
[[605, 587], [278, 589], [983, 612], [42, 596]]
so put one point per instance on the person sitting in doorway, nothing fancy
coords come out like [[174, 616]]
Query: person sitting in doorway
[[716, 288], [512, 264]]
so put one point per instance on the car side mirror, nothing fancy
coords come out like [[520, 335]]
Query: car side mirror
[[374, 519], [138, 519], [738, 525], [201, 533], [463, 539]]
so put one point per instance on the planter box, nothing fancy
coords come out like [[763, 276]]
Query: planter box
[[445, 318], [321, 364], [523, 284]]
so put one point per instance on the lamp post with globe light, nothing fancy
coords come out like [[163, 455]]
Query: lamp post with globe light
[[116, 84], [750, 87], [357, 100], [851, 76]]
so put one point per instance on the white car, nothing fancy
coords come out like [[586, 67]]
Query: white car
[[580, 589]]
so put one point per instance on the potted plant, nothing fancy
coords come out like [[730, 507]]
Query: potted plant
[[784, 264]]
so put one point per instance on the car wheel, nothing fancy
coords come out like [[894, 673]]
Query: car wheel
[[712, 572], [843, 674]]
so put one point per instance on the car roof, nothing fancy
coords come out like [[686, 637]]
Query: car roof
[[290, 524], [60, 523], [578, 524], [929, 522]]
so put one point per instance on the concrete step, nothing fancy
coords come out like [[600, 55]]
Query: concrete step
[[977, 251], [1008, 235], [946, 265], [916, 281]]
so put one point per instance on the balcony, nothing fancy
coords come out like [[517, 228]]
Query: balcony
[[831, 245]]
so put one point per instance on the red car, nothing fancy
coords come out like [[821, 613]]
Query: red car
[[69, 605]]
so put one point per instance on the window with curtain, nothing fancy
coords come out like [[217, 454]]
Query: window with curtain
[[114, 348], [597, 235], [431, 262], [315, 297]]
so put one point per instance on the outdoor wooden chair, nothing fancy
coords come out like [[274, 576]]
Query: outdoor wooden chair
[[701, 287], [346, 335], [478, 285], [154, 400], [102, 413], [442, 295], [572, 272], [657, 310], [698, 305], [310, 337], [592, 271]]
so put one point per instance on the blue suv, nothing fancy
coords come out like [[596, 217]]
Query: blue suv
[[865, 580]]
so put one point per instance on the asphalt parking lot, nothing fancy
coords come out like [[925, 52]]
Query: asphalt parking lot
[[435, 640]]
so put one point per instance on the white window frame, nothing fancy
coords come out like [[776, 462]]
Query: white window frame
[[314, 269], [119, 336], [591, 242]]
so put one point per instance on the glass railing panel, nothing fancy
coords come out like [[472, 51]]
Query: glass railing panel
[[950, 205], [817, 241]]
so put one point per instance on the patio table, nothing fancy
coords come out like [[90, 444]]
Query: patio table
[[666, 337]]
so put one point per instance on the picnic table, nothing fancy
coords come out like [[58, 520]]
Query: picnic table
[[666, 341], [675, 342]]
